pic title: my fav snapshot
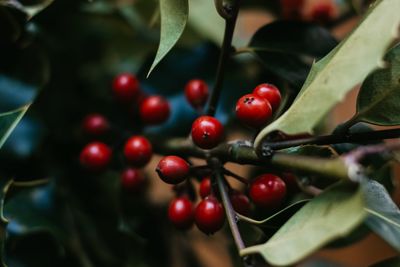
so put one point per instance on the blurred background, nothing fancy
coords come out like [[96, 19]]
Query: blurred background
[[63, 56]]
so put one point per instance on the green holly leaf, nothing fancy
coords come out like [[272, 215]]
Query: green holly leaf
[[379, 99], [320, 221], [8, 121], [383, 214], [336, 74], [174, 15]]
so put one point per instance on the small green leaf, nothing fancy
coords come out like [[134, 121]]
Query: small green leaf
[[320, 221], [379, 99], [335, 75], [8, 121], [174, 15], [383, 214], [274, 220]]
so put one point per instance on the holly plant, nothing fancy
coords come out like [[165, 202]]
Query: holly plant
[[130, 128]]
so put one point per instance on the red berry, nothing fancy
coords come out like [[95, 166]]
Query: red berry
[[196, 92], [269, 92], [209, 215], [95, 156], [240, 202], [268, 191], [180, 213], [323, 12], [173, 169], [126, 87], [205, 187], [253, 110], [132, 180], [154, 110], [95, 124], [138, 151], [207, 132]]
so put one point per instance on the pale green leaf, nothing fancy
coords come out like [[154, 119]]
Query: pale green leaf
[[8, 121], [174, 15], [324, 219], [335, 75], [379, 99], [383, 214]]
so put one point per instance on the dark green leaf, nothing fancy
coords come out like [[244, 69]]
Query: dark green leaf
[[280, 44], [335, 75], [8, 121], [174, 15], [383, 214], [320, 221], [379, 99], [293, 37]]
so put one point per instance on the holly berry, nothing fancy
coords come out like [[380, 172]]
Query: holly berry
[[269, 92], [173, 169], [126, 87], [268, 191], [138, 151], [323, 12], [196, 92], [180, 213], [240, 202], [95, 156], [207, 132], [95, 124], [132, 180], [205, 187], [253, 110], [154, 110], [209, 215]]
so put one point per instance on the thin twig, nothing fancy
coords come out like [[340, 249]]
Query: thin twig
[[226, 52], [336, 139], [230, 212]]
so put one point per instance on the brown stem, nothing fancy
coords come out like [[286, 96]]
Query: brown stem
[[230, 212], [230, 15], [242, 152]]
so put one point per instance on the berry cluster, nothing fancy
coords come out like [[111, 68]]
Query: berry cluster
[[266, 191], [256, 109], [96, 156]]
